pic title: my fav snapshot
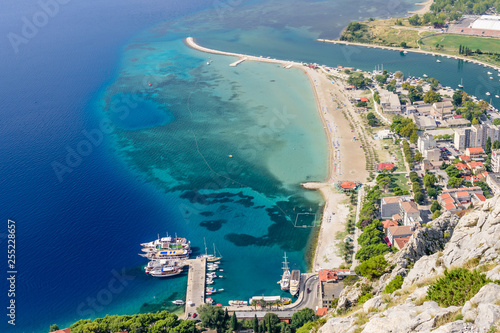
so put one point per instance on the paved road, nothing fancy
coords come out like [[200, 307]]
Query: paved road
[[305, 300]]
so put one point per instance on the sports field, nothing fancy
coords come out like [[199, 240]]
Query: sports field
[[452, 43]]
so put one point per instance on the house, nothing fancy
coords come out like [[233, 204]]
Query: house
[[442, 110], [389, 206], [390, 103], [322, 311], [475, 153], [464, 158], [389, 223], [364, 99], [328, 283], [426, 142], [493, 181], [454, 200], [478, 198], [476, 167], [400, 242], [409, 213], [398, 232], [433, 154], [385, 166]]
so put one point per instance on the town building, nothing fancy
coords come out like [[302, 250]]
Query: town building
[[475, 136], [400, 242], [385, 166], [398, 232], [493, 181], [328, 283], [442, 110], [495, 160], [390, 103], [426, 142], [389, 206], [409, 213], [456, 199], [475, 153]]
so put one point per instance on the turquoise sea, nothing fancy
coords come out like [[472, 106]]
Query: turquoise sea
[[205, 151]]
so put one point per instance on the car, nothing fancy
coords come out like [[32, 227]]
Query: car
[[308, 290], [195, 315]]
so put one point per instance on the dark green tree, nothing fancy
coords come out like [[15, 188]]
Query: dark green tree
[[255, 324], [496, 144], [302, 317], [271, 320], [435, 206], [211, 316], [234, 322], [487, 148], [53, 328]]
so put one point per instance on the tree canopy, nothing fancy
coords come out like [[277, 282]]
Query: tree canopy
[[302, 317]]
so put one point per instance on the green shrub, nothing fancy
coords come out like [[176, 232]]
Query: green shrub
[[456, 287], [373, 267], [394, 285], [366, 293]]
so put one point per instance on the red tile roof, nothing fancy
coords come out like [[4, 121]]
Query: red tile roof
[[348, 185], [402, 230], [463, 194], [464, 158], [389, 223], [445, 196], [457, 116], [462, 166], [386, 166], [448, 201], [327, 274], [409, 207], [481, 197], [396, 217], [401, 242], [449, 206], [364, 99], [475, 164], [322, 311], [475, 150]]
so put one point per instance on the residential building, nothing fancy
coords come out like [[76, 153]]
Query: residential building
[[400, 242], [389, 223], [432, 155], [442, 110], [476, 167], [426, 142], [389, 206], [409, 213], [423, 122], [456, 199], [462, 138], [493, 181], [495, 160], [390, 103], [475, 136], [328, 279], [475, 153], [398, 232]]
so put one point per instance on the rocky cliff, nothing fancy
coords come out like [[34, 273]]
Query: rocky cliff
[[471, 242]]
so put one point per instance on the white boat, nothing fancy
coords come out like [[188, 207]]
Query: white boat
[[238, 303], [209, 257], [405, 52], [220, 276], [438, 60], [425, 75], [487, 93], [178, 302], [497, 96], [221, 290], [167, 254], [212, 275], [489, 73], [295, 282], [461, 85], [285, 278], [166, 272], [167, 243], [212, 268], [157, 264], [221, 270], [491, 77], [210, 290], [209, 300]]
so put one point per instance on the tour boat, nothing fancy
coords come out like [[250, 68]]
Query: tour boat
[[166, 271], [238, 303]]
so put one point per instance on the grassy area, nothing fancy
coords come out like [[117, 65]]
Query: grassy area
[[386, 32], [400, 180], [452, 43]]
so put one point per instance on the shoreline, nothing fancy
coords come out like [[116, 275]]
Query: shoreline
[[400, 49], [336, 128], [426, 7]]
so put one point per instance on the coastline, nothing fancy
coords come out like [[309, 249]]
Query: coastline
[[326, 93], [426, 7], [400, 49]]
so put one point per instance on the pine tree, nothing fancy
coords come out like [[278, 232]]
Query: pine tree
[[234, 322], [255, 324]]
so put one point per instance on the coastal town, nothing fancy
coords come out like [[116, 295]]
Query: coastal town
[[412, 163]]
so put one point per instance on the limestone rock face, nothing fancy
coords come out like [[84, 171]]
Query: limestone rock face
[[447, 242]]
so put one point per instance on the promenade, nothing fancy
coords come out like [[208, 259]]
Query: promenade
[[195, 292]]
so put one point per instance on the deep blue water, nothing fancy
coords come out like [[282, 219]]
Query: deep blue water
[[76, 235]]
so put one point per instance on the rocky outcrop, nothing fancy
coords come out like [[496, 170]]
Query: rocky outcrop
[[447, 242]]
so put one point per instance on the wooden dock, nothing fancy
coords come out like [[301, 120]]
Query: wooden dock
[[195, 292]]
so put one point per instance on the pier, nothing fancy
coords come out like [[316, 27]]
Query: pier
[[195, 292], [236, 63]]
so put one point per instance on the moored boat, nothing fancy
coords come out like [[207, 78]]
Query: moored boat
[[178, 302], [238, 303]]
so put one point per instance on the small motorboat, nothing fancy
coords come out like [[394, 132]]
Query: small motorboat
[[178, 302]]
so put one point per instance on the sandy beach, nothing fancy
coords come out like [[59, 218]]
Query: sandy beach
[[346, 160], [426, 7]]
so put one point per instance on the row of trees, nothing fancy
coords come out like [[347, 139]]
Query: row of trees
[[418, 195], [214, 317], [371, 242], [147, 322]]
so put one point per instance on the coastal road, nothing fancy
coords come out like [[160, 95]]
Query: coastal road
[[305, 300]]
